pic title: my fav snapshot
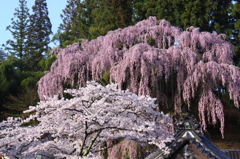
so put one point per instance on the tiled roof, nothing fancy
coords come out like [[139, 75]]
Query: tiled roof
[[233, 154], [188, 134]]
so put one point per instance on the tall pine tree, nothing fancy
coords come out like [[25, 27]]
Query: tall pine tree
[[76, 20], [85, 19], [221, 20], [162, 9], [235, 40], [38, 33], [110, 15], [2, 55], [20, 24], [192, 13], [210, 15], [89, 19], [68, 16]]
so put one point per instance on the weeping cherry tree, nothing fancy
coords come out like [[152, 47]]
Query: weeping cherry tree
[[157, 59]]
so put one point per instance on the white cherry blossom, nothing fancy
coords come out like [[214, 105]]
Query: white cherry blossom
[[80, 126]]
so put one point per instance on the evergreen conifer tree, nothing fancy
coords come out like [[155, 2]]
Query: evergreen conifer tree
[[38, 33], [110, 15], [2, 55], [91, 18], [69, 13], [76, 20], [235, 12], [20, 23], [221, 20], [192, 13], [85, 19], [211, 15], [162, 9], [138, 12]]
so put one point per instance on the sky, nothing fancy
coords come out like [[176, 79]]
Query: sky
[[7, 9]]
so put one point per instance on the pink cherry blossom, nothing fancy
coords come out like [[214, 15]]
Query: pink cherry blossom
[[149, 56]]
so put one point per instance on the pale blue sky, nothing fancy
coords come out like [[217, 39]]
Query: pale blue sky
[[7, 9]]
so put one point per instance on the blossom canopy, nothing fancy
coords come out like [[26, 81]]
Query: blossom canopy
[[81, 125]]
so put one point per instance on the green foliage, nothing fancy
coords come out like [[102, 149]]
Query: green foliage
[[20, 71], [126, 155], [17, 87], [110, 15], [28, 81], [7, 69], [151, 41], [18, 29], [91, 18], [32, 79], [2, 55], [10, 70], [30, 123], [38, 34], [226, 100], [105, 78], [69, 42], [105, 154], [10, 76], [16, 104], [45, 64], [235, 40], [67, 96], [138, 12], [64, 39], [76, 19], [162, 9], [191, 13]]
